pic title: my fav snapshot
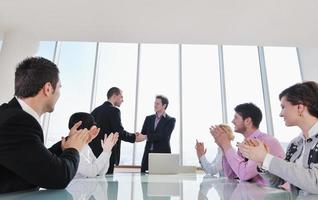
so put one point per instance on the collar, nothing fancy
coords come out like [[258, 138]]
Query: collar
[[255, 134], [110, 103], [26, 108], [312, 131], [162, 115]]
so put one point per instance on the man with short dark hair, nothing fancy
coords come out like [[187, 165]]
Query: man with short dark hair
[[246, 121], [25, 163], [108, 118], [157, 129]]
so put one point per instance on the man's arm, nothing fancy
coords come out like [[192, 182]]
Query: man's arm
[[116, 126], [244, 169], [163, 134], [228, 172], [247, 169], [56, 148], [145, 126], [27, 157]]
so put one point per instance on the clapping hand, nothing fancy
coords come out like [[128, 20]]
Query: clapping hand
[[79, 138], [220, 137], [109, 142], [199, 146], [253, 149]]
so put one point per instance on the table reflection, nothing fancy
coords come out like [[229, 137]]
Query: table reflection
[[239, 190], [137, 186], [38, 195]]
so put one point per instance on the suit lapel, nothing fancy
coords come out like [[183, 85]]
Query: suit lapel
[[152, 122]]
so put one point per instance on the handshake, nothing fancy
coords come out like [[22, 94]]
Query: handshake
[[140, 137]]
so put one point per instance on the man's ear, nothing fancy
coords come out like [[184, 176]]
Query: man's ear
[[248, 121], [47, 88], [165, 106]]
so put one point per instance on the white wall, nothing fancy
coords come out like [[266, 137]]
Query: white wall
[[309, 62], [232, 22], [16, 46]]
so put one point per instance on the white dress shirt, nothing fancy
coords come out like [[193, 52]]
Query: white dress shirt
[[89, 166], [25, 107]]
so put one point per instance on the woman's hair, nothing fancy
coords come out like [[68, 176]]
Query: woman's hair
[[87, 120], [305, 93]]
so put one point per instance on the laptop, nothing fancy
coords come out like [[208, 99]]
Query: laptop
[[163, 163]]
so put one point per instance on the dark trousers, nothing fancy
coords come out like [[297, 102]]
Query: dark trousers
[[145, 161]]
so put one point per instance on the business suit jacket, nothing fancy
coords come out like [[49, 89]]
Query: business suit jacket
[[108, 119], [159, 138], [25, 163]]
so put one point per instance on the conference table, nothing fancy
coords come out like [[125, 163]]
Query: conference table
[[136, 186]]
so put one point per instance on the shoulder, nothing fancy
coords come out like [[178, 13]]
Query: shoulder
[[267, 138], [15, 115], [105, 107], [151, 116], [170, 118], [17, 123], [297, 141]]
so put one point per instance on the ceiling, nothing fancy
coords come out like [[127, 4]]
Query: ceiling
[[235, 22]]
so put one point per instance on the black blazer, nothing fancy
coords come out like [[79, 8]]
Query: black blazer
[[159, 137], [108, 119], [25, 163]]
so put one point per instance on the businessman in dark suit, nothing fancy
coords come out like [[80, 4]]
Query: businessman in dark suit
[[25, 163], [108, 118], [157, 129]]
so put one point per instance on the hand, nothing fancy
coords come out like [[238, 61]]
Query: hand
[[73, 130], [109, 141], [78, 139], [93, 131], [140, 137], [199, 146], [254, 150], [220, 137], [254, 143]]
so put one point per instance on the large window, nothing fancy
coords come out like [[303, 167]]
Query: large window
[[242, 80], [46, 49], [76, 65], [159, 74], [117, 66], [281, 61], [0, 45], [192, 83], [201, 99]]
